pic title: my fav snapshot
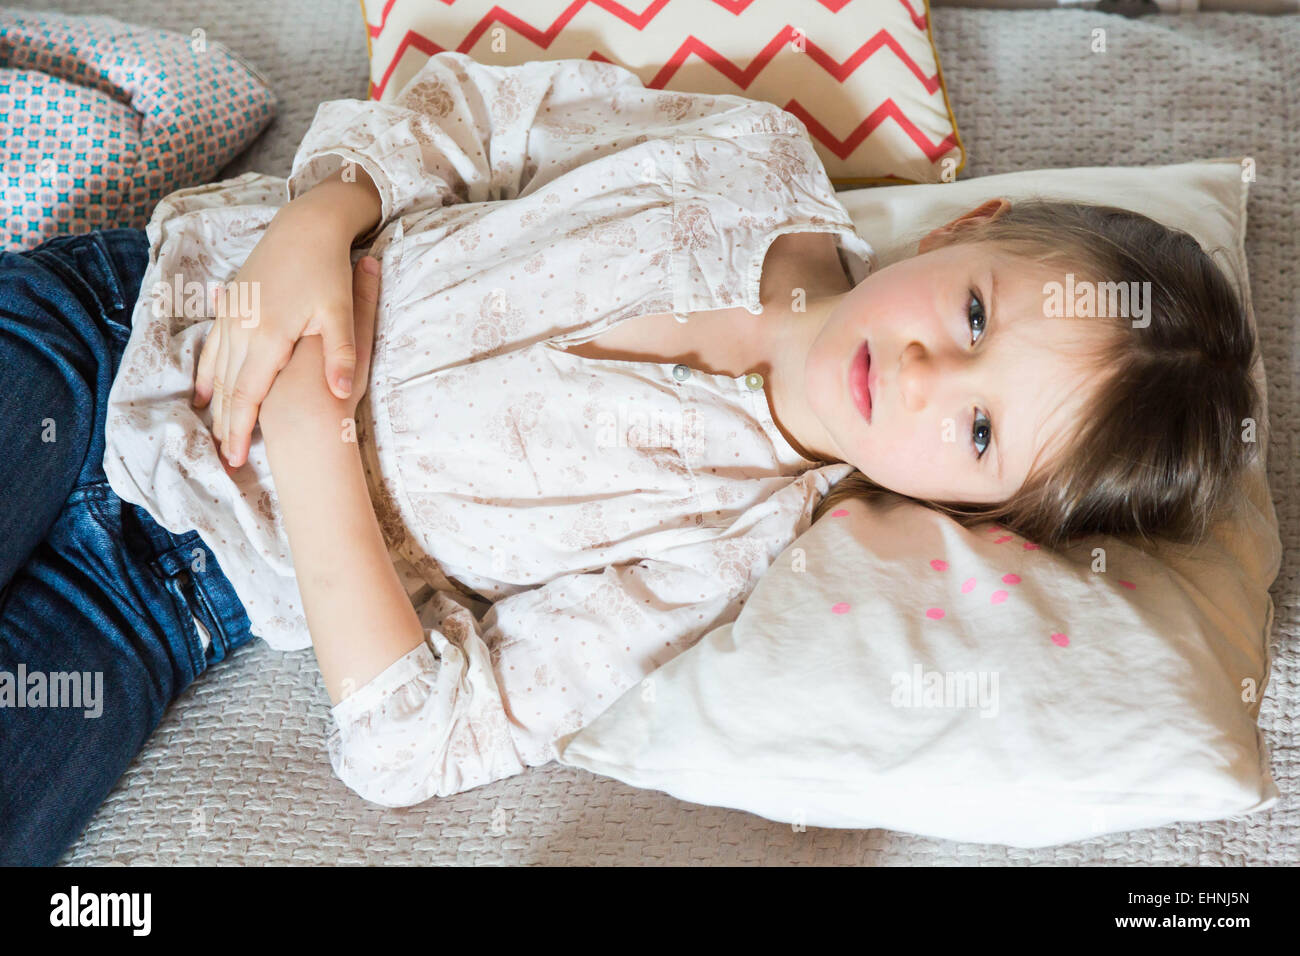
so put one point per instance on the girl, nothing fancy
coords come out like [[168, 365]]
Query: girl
[[624, 343]]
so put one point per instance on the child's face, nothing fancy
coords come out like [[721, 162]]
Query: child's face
[[945, 385]]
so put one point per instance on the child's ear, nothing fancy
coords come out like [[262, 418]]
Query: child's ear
[[988, 210], [991, 209]]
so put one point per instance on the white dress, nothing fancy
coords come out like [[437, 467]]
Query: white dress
[[563, 525]]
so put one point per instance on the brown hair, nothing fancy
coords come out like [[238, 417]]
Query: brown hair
[[1161, 449]]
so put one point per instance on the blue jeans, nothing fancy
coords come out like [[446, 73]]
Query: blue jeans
[[97, 600]]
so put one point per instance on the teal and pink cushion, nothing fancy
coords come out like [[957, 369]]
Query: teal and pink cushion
[[100, 119]]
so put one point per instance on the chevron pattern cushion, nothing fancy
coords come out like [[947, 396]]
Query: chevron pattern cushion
[[862, 75]]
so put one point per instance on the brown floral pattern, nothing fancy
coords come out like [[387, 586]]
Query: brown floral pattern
[[786, 162], [151, 353], [573, 130], [591, 529], [616, 611], [739, 561], [606, 231], [498, 320], [693, 227], [432, 517], [519, 424], [429, 96], [539, 214], [675, 106], [508, 101], [468, 237]]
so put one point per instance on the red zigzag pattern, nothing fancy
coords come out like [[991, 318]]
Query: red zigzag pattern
[[841, 148], [627, 16]]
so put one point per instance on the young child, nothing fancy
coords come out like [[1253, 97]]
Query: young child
[[625, 341]]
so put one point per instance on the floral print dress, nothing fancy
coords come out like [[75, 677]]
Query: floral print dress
[[563, 525]]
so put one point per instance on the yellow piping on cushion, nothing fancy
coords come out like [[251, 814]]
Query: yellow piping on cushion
[[370, 58]]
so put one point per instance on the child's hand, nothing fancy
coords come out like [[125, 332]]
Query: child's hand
[[298, 393], [299, 279]]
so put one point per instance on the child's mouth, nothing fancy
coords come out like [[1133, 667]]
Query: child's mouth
[[859, 388]]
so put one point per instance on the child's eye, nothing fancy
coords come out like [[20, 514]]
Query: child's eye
[[981, 429], [975, 315]]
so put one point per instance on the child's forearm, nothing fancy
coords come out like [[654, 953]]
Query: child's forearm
[[358, 613], [351, 205]]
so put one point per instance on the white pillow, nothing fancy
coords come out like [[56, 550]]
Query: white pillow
[[1104, 700]]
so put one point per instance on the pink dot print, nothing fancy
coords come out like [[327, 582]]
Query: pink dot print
[[939, 564], [998, 597], [1060, 640], [1010, 579], [934, 613], [841, 608], [839, 512], [1005, 537], [1129, 584], [1030, 546], [967, 586]]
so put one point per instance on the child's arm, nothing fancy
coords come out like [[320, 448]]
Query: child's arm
[[358, 613], [303, 279]]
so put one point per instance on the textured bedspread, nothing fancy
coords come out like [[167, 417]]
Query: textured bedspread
[[237, 771]]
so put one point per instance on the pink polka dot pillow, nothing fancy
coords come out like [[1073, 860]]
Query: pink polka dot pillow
[[100, 119], [893, 669]]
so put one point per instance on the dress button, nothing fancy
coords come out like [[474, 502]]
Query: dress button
[[754, 381], [681, 373]]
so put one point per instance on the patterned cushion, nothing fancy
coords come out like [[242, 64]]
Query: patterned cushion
[[862, 75], [100, 119]]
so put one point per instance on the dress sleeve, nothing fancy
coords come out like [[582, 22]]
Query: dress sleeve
[[463, 131], [482, 699], [432, 724]]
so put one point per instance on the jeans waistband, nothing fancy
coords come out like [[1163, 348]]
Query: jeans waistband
[[101, 259]]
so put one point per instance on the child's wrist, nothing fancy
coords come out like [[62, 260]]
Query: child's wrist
[[346, 208]]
